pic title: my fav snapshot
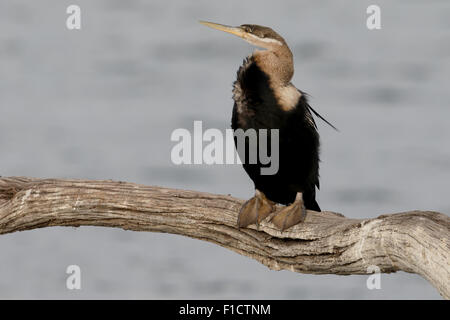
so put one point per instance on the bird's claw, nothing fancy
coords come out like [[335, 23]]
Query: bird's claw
[[255, 210], [290, 215]]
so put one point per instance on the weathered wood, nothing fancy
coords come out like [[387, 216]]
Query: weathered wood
[[326, 243]]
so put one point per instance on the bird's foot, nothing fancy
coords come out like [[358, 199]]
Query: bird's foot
[[290, 215], [255, 210]]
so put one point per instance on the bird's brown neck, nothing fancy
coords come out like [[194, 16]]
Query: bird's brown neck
[[277, 63]]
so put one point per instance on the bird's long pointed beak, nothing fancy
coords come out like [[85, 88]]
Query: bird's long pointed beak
[[229, 29]]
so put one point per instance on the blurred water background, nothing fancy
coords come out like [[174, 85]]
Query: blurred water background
[[101, 103]]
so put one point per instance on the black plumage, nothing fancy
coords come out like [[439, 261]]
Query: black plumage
[[256, 107]]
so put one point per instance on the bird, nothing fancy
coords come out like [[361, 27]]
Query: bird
[[265, 98]]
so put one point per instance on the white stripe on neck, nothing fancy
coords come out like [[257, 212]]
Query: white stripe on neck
[[254, 39]]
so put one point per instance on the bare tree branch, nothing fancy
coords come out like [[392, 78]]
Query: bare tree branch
[[326, 243]]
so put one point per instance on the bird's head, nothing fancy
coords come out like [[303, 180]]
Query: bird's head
[[262, 37]]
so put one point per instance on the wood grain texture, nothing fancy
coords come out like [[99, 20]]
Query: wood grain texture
[[326, 243]]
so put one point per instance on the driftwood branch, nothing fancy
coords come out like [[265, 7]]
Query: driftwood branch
[[326, 243]]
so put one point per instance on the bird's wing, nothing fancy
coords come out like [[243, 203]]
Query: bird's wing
[[309, 115]]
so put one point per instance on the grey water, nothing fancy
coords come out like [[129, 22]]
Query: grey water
[[102, 102]]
